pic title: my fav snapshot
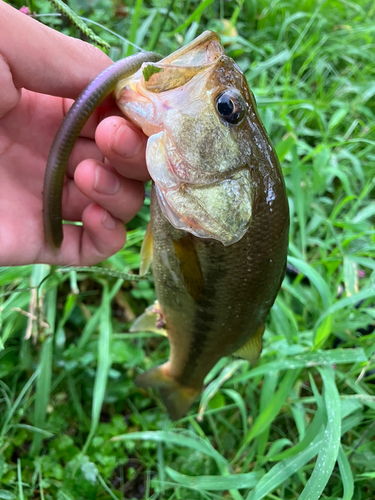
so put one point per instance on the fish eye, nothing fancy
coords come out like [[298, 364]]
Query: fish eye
[[231, 106]]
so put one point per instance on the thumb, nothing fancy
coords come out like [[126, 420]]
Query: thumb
[[45, 61]]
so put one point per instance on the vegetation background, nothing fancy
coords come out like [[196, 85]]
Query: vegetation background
[[301, 423]]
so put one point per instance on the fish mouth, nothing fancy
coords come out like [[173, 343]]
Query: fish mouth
[[192, 156]]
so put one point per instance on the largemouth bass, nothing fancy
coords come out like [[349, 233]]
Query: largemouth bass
[[218, 234]]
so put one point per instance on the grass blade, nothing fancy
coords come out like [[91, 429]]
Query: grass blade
[[176, 439], [193, 17], [9, 415], [215, 385], [216, 483], [19, 474], [134, 25], [315, 278], [331, 444], [104, 364], [350, 301], [271, 410], [43, 384], [280, 472], [306, 360], [346, 475], [43, 388], [311, 433]]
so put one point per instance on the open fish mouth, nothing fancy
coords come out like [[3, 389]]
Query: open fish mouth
[[198, 155]]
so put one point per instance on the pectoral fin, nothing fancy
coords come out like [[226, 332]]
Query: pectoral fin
[[146, 251], [189, 266], [252, 349], [176, 397]]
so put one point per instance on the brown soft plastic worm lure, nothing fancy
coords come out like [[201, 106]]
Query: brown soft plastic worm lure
[[68, 133]]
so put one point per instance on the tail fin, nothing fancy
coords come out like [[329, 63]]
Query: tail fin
[[176, 397]]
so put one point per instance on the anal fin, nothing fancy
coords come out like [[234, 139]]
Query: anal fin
[[253, 347]]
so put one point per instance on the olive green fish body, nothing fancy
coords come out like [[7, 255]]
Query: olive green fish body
[[219, 212], [230, 303]]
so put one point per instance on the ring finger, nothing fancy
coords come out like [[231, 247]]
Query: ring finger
[[122, 197]]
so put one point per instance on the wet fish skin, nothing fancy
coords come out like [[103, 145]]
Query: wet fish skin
[[214, 297]]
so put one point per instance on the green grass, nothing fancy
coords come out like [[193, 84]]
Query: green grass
[[298, 425]]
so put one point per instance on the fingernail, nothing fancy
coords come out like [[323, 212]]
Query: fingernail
[[108, 221], [105, 182], [126, 142]]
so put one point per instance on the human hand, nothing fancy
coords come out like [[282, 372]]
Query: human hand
[[40, 70]]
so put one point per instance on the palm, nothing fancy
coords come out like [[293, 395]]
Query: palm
[[26, 134]]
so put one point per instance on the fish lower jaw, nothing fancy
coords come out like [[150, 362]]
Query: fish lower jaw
[[208, 211], [178, 220]]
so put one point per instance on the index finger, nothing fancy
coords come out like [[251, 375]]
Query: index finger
[[106, 109], [53, 63]]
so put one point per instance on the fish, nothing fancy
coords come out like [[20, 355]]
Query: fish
[[218, 234]]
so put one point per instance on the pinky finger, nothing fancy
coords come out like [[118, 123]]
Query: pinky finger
[[103, 235]]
